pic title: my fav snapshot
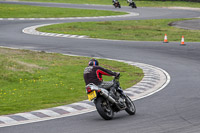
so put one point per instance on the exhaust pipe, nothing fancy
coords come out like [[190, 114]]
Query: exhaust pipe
[[106, 95]]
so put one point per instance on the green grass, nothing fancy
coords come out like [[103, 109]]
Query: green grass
[[137, 30], [26, 11], [36, 80], [139, 3]]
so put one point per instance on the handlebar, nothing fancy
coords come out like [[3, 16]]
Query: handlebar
[[116, 78]]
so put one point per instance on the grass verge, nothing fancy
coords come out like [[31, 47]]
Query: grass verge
[[36, 80], [137, 30], [26, 11], [139, 3]]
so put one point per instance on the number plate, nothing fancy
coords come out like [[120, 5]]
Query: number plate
[[92, 95]]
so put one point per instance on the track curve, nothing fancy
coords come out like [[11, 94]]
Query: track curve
[[175, 109]]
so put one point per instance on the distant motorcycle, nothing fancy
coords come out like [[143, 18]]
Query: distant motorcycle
[[116, 3], [132, 3], [106, 104]]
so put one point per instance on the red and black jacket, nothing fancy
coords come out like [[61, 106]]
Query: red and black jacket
[[93, 74]]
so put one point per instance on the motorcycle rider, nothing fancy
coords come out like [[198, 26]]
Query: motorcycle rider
[[116, 2], [93, 74], [131, 2]]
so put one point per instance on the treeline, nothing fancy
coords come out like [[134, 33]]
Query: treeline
[[171, 0]]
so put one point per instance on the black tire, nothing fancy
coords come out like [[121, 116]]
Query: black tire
[[131, 110], [104, 109]]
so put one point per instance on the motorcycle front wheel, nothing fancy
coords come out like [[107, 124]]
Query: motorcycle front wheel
[[104, 109], [134, 6], [130, 106]]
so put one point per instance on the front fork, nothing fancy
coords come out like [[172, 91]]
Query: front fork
[[120, 90]]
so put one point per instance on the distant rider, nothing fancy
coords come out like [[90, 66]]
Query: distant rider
[[114, 2], [131, 3]]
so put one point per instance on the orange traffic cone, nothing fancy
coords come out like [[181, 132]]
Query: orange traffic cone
[[165, 39], [182, 41]]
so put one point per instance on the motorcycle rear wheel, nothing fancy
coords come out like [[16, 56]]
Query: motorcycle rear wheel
[[104, 109], [131, 110]]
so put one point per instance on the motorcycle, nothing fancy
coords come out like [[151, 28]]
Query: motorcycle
[[116, 4], [106, 104], [132, 3]]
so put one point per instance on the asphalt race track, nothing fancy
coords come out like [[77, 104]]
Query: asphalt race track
[[175, 109]]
